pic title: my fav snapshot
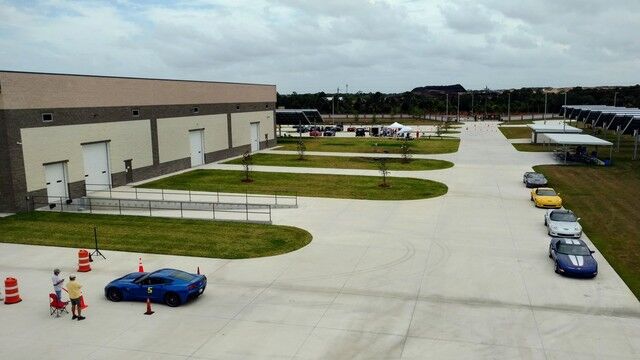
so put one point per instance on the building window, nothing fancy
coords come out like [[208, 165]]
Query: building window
[[195, 110], [237, 107], [135, 112], [47, 117]]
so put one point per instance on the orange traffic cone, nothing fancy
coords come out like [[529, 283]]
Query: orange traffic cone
[[140, 267], [83, 305], [149, 312]]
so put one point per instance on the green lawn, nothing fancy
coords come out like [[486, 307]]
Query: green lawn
[[313, 185], [215, 239], [606, 198], [343, 162], [372, 145], [516, 122], [516, 132]]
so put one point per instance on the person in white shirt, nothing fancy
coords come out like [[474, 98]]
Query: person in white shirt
[[57, 283]]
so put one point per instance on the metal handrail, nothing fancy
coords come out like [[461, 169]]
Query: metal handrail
[[276, 196], [93, 205]]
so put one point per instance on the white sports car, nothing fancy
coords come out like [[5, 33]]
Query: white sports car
[[562, 223]]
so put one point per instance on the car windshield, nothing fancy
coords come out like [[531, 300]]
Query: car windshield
[[546, 192], [537, 178], [534, 175], [570, 249], [563, 216]]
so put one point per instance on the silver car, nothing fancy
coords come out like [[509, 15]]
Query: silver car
[[562, 223]]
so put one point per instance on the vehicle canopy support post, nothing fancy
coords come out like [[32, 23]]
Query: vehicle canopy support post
[[635, 144], [619, 134], [610, 152]]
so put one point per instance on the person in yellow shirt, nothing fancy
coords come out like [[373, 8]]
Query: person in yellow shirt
[[73, 287]]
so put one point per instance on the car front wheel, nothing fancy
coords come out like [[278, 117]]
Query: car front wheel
[[557, 269], [114, 294], [172, 299]]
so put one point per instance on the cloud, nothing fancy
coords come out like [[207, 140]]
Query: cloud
[[386, 45]]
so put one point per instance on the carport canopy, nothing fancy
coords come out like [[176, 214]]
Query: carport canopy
[[550, 129], [577, 139]]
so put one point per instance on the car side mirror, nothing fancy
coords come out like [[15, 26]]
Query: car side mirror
[[558, 194], [578, 219], [591, 251]]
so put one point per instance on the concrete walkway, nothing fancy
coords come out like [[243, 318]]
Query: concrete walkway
[[462, 276]]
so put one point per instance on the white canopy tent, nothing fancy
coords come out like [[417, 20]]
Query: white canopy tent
[[396, 125], [404, 130], [565, 140]]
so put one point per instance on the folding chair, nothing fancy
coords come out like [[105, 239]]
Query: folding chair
[[56, 306]]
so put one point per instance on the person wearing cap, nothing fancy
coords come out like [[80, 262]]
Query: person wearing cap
[[57, 283], [73, 287]]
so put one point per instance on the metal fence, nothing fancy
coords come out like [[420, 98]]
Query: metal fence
[[277, 200], [160, 208]]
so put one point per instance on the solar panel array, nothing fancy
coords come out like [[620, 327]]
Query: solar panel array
[[604, 116]]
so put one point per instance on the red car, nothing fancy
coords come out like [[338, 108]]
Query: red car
[[351, 129], [315, 133]]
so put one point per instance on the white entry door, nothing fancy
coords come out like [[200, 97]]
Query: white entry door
[[255, 136], [56, 178], [97, 175], [197, 151]]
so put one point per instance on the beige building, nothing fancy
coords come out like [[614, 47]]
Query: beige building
[[61, 135]]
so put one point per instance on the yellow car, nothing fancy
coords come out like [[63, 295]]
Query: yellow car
[[546, 198]]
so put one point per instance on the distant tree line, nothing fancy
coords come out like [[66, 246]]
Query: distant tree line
[[525, 100]]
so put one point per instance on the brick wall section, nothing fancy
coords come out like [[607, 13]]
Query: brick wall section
[[13, 182], [6, 184]]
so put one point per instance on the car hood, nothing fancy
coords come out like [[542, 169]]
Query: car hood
[[577, 261], [564, 226], [536, 181], [548, 198]]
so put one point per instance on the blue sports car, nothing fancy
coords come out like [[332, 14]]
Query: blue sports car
[[170, 286], [572, 257]]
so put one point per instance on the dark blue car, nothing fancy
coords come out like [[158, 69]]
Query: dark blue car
[[170, 286], [573, 257]]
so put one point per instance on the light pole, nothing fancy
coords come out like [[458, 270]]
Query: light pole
[[544, 116], [509, 107], [458, 109], [472, 112], [615, 98], [447, 119]]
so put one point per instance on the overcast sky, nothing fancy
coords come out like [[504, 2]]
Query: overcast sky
[[319, 45]]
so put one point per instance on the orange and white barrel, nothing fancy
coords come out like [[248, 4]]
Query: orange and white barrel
[[11, 293], [83, 261]]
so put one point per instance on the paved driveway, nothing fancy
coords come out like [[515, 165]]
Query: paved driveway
[[463, 276]]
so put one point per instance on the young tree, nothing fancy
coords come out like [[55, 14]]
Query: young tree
[[405, 151], [384, 170], [301, 148], [247, 161]]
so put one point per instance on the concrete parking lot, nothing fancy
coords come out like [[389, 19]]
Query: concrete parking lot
[[462, 276]]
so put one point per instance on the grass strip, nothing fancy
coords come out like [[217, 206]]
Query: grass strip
[[214, 239]]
